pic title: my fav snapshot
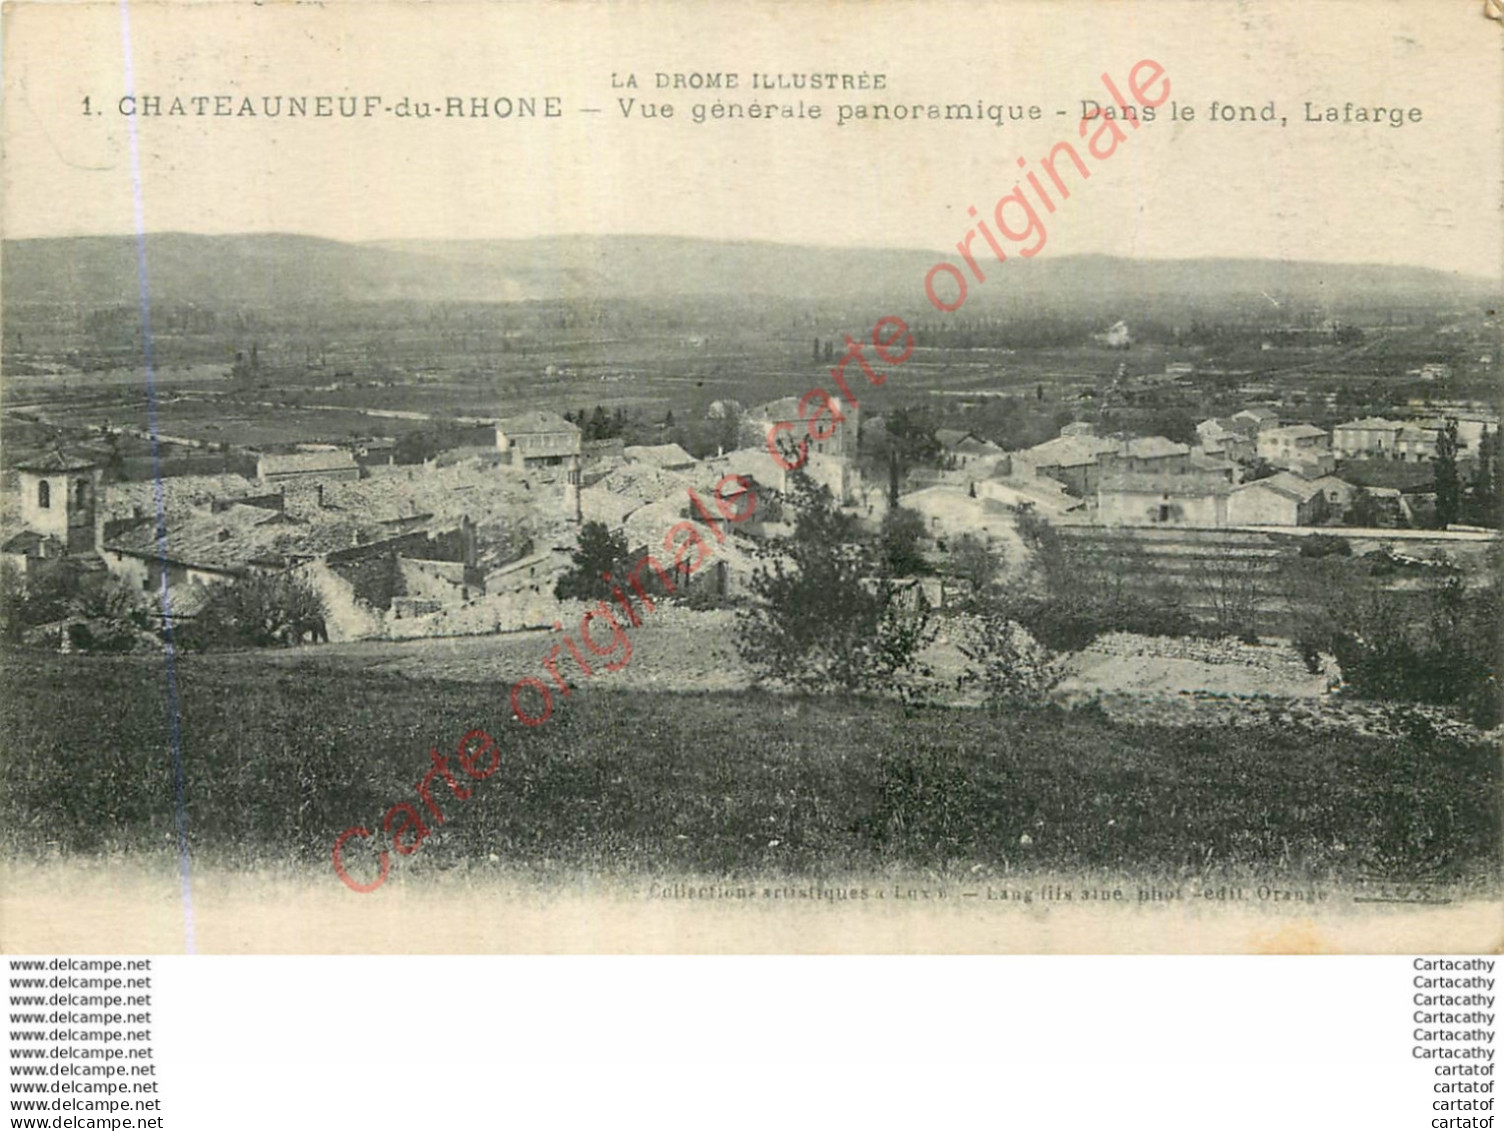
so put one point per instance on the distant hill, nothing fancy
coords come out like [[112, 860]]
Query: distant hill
[[287, 270]]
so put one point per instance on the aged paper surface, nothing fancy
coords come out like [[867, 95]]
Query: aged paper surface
[[1146, 356]]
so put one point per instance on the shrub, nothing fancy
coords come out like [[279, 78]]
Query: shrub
[[1010, 666], [256, 612], [1324, 545]]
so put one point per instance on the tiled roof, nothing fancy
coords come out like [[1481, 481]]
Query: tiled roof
[[1297, 431], [1068, 451], [240, 535], [950, 437], [537, 421], [29, 542], [784, 408], [1154, 447], [306, 463], [58, 461], [1159, 483], [1285, 483], [662, 455], [971, 446]]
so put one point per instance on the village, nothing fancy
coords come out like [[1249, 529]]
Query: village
[[473, 540]]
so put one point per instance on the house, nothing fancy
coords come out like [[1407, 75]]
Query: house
[[1339, 493], [1079, 428], [1389, 507], [1280, 500], [782, 423], [1296, 447], [193, 551], [30, 553], [300, 466], [1132, 498], [537, 439], [1203, 463], [1149, 455], [1372, 437], [1471, 428], [1415, 444], [1115, 337], [966, 448], [1043, 496], [1219, 437], [1071, 460], [376, 449], [1252, 421]]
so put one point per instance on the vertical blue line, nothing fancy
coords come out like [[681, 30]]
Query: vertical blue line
[[174, 722]]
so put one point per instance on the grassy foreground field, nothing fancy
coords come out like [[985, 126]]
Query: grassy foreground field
[[281, 757]]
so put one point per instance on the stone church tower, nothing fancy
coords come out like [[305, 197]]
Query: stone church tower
[[61, 497]]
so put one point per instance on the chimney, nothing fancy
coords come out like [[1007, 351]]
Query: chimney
[[467, 542]]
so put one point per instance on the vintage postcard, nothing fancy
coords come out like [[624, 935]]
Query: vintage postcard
[[758, 477]]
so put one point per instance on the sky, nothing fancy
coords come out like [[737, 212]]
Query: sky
[[1426, 192]]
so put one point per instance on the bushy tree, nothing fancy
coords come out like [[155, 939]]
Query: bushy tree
[[900, 540], [257, 612], [974, 561], [26, 602], [599, 552], [826, 615], [114, 618], [909, 442], [1448, 483], [1258, 468], [1485, 501]]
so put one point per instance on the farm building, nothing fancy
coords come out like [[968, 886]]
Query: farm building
[[966, 448], [1150, 455], [1070, 460], [537, 439], [1132, 498], [1222, 438], [1252, 421], [1280, 500], [1296, 447], [1372, 437], [780, 422], [1416, 444]]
